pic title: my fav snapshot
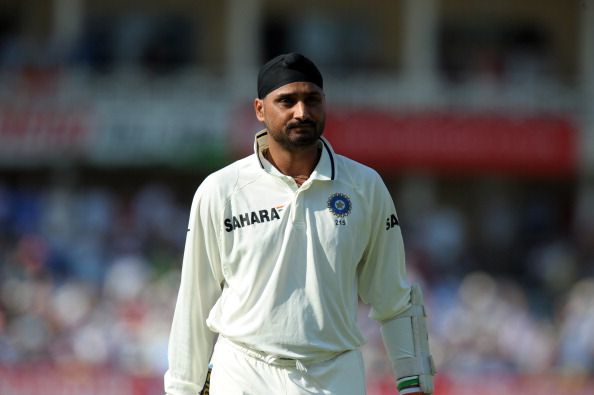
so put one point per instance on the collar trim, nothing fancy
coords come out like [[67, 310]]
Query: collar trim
[[327, 147]]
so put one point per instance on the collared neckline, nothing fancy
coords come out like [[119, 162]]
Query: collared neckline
[[324, 170]]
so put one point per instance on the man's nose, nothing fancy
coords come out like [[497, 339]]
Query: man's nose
[[301, 111]]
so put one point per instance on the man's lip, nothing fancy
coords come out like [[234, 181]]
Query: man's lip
[[303, 126]]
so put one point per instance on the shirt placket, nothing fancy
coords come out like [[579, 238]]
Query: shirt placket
[[299, 205]]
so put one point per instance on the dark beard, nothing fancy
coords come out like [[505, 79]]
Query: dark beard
[[294, 140]]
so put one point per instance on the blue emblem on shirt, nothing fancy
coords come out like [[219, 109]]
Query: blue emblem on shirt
[[339, 204]]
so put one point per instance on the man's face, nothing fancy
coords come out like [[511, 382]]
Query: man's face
[[294, 114]]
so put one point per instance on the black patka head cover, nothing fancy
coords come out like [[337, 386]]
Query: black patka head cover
[[287, 68]]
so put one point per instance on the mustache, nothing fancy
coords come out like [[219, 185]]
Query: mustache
[[300, 124]]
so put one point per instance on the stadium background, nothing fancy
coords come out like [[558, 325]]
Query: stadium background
[[479, 115]]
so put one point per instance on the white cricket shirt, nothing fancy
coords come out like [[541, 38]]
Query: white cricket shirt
[[279, 268]]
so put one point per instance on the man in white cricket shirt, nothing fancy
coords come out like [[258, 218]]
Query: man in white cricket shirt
[[280, 246]]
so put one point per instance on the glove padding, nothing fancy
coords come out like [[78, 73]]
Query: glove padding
[[406, 340]]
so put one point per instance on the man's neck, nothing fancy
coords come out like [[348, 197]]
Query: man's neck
[[298, 164]]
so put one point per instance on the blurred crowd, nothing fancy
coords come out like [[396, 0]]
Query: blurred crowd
[[89, 276]]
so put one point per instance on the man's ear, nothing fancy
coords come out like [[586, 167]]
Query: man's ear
[[259, 109]]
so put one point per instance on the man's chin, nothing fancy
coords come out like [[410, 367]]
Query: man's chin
[[305, 139]]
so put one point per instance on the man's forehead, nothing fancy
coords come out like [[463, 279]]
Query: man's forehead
[[297, 88]]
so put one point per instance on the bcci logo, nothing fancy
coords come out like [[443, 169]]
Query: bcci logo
[[339, 204]]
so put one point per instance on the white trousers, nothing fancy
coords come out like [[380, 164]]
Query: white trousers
[[237, 371]]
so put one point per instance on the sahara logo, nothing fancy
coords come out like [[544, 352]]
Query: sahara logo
[[392, 221], [251, 218]]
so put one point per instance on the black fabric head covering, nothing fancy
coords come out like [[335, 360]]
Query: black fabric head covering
[[287, 68]]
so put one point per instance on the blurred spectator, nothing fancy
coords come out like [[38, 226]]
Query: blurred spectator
[[577, 326]]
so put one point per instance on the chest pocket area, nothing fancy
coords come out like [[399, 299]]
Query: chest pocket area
[[342, 229]]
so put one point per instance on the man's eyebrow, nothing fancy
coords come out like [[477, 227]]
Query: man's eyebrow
[[285, 95], [295, 94]]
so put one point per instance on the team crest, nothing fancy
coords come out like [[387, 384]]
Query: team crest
[[339, 204]]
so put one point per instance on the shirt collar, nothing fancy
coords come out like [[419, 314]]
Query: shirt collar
[[324, 170]]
